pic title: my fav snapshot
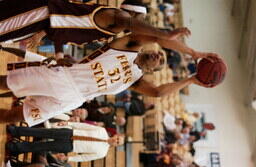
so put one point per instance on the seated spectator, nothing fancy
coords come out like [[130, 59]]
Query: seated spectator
[[132, 104], [106, 115], [190, 117], [171, 123], [169, 10], [148, 159], [186, 138], [168, 159], [173, 59], [203, 132]]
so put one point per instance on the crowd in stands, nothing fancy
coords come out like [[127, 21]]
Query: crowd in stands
[[180, 134]]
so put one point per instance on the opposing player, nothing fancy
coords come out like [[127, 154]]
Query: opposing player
[[69, 22]]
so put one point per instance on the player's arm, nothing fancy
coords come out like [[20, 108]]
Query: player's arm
[[149, 89], [119, 20], [171, 44], [181, 47]]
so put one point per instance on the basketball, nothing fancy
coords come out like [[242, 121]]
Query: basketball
[[211, 72]]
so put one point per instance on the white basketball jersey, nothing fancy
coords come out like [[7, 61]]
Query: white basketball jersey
[[110, 73]]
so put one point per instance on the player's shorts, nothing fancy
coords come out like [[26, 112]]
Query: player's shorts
[[52, 92]]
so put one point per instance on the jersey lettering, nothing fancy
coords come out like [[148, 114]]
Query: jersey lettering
[[35, 114], [123, 74], [126, 68], [99, 76]]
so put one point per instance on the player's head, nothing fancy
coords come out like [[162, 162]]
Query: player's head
[[135, 8], [151, 60]]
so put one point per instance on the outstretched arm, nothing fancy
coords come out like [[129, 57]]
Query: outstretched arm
[[181, 47], [118, 20], [173, 44], [150, 89]]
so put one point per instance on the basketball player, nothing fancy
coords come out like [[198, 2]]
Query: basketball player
[[110, 70], [70, 22]]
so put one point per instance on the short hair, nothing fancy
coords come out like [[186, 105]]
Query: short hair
[[155, 47]]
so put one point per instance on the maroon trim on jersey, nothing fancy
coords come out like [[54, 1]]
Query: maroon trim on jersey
[[95, 54], [64, 7], [11, 8], [41, 25]]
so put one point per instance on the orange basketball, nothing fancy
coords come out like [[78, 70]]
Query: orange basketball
[[211, 72]]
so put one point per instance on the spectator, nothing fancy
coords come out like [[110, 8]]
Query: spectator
[[105, 114], [132, 104], [171, 123], [91, 142]]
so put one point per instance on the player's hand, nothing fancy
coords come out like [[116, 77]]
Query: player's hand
[[179, 32], [212, 57], [197, 82]]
